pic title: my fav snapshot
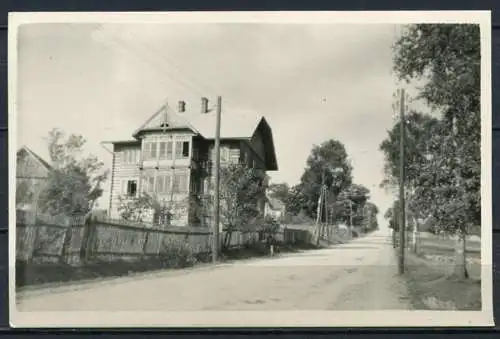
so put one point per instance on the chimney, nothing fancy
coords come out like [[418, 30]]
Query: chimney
[[204, 105], [182, 106]]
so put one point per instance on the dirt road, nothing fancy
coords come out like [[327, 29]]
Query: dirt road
[[361, 275]]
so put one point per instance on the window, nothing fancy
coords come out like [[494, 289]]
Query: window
[[170, 150], [163, 184], [147, 150], [150, 184], [131, 188], [178, 149], [181, 149], [150, 150], [180, 183], [160, 184], [162, 151], [153, 150], [165, 150], [185, 149], [130, 156]]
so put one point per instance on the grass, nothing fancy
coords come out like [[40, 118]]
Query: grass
[[431, 288], [45, 273]]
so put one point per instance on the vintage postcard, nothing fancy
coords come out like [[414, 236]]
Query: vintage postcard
[[250, 169]]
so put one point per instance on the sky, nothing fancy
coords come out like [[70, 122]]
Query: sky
[[312, 82]]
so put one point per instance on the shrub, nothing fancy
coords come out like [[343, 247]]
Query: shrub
[[177, 254]]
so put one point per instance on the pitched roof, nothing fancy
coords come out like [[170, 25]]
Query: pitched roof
[[275, 203], [42, 162], [165, 115], [234, 125]]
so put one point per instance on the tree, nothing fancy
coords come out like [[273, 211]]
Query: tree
[[241, 193], [352, 200], [280, 191], [447, 58], [75, 183], [329, 161], [420, 128], [370, 212]]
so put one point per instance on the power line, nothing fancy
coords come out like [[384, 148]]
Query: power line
[[169, 85], [153, 63], [179, 70], [195, 81]]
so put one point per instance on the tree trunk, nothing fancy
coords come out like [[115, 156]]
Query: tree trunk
[[227, 240], [460, 269], [394, 238], [416, 235]]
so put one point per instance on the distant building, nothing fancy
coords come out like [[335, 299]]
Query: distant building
[[275, 208], [31, 175], [171, 156]]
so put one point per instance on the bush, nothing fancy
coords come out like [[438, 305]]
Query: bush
[[177, 254]]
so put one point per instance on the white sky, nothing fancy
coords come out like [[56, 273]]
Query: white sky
[[312, 83]]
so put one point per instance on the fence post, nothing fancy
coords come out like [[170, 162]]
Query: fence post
[[66, 240], [89, 240], [145, 244], [34, 236]]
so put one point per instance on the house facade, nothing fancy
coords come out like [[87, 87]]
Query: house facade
[[171, 157], [275, 208], [31, 175]]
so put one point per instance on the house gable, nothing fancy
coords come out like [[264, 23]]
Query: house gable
[[30, 165], [263, 143], [164, 119], [245, 126]]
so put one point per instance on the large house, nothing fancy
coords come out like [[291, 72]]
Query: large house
[[31, 175], [170, 155]]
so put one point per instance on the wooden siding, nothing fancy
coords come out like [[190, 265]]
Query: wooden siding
[[31, 177], [121, 172], [124, 170], [251, 157], [257, 144]]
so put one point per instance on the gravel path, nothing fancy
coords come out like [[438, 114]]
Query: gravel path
[[361, 275]]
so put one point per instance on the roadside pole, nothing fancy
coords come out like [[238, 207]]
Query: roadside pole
[[215, 238], [402, 216]]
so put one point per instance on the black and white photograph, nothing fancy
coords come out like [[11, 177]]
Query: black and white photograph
[[250, 169]]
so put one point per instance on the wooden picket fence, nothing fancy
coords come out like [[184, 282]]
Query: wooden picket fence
[[79, 239]]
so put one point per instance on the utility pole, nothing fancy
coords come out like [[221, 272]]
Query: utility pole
[[320, 210], [215, 238], [402, 216], [350, 218]]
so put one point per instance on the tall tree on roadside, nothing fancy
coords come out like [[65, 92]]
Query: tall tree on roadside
[[447, 58], [75, 183], [280, 191], [352, 199], [329, 161]]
